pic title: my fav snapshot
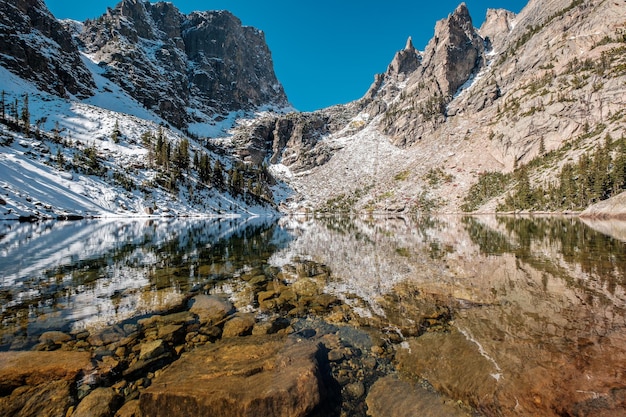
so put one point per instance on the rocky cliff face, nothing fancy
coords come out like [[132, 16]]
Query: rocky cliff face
[[171, 62], [186, 68], [491, 99], [36, 47], [496, 27], [417, 86]]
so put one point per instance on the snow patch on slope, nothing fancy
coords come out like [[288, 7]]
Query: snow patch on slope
[[33, 182]]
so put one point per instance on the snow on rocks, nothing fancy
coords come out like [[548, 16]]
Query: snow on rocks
[[39, 179]]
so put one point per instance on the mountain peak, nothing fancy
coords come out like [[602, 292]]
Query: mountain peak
[[38, 48], [409, 44], [171, 62], [458, 21], [456, 52], [462, 11], [497, 26], [405, 61]]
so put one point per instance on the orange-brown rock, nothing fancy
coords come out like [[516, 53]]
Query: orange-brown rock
[[39, 383], [251, 376], [391, 397], [33, 368]]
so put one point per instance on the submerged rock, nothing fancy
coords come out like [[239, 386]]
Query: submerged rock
[[391, 397], [253, 376], [453, 365], [210, 309], [240, 325]]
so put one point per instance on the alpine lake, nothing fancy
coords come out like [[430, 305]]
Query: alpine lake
[[428, 316]]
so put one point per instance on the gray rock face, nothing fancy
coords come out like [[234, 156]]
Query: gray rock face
[[455, 54], [496, 27], [36, 47], [405, 61], [171, 62], [293, 139]]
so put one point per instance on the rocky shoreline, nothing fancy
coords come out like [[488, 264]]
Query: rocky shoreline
[[433, 328], [295, 351]]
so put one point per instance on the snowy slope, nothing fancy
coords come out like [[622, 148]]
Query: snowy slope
[[33, 183]]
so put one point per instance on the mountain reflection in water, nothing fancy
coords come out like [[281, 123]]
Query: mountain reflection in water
[[71, 275], [513, 316]]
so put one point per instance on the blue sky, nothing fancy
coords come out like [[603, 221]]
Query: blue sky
[[325, 52]]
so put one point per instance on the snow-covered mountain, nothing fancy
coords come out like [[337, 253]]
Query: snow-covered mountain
[[82, 134], [187, 68]]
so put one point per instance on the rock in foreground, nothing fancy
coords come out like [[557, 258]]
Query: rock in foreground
[[253, 376], [391, 397], [40, 383]]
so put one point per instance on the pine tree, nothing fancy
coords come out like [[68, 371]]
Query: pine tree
[[196, 161], [204, 168], [14, 111], [2, 105], [524, 196], [26, 115], [618, 173], [181, 155], [236, 180], [60, 158], [600, 171], [584, 182], [217, 177], [57, 132], [146, 141], [115, 135], [163, 150], [567, 186]]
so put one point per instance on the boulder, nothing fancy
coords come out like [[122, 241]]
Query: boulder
[[55, 337], [210, 309], [151, 350], [129, 409], [253, 376], [614, 207], [102, 402], [240, 325], [34, 368], [49, 399], [40, 383], [171, 333]]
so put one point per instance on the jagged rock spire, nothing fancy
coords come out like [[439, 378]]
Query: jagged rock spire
[[406, 61], [456, 51], [496, 27], [409, 44]]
